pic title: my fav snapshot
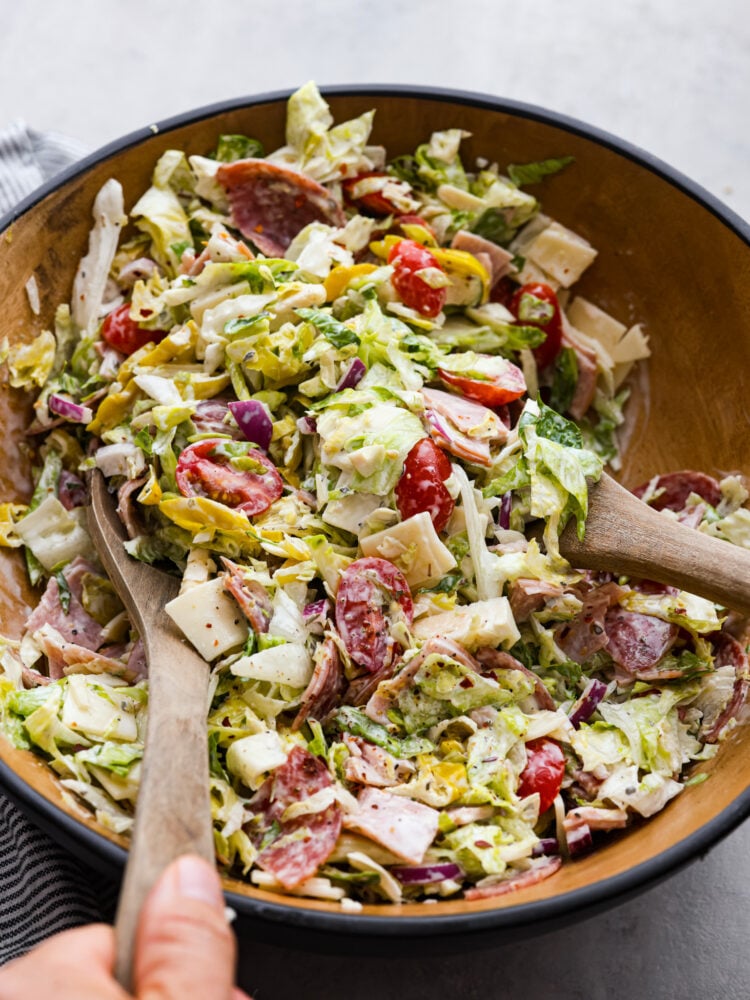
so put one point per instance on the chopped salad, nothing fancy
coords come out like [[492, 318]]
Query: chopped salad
[[333, 392]]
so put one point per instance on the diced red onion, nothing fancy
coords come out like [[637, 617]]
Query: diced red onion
[[354, 373], [322, 607], [71, 490], [254, 420], [503, 513], [579, 840], [307, 425], [65, 407], [426, 874], [586, 704], [547, 846]]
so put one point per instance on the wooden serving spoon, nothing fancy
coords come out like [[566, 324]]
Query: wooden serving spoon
[[174, 813], [625, 535]]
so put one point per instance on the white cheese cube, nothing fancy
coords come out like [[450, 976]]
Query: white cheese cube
[[413, 546], [561, 253], [596, 323], [483, 623], [252, 757], [92, 709], [209, 618], [351, 512], [288, 664]]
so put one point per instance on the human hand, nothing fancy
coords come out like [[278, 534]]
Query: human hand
[[184, 948]]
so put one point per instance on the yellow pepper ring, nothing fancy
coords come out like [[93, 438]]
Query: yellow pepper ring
[[340, 277], [454, 262]]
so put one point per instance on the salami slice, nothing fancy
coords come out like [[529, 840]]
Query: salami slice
[[730, 652], [271, 203], [677, 487], [586, 635], [528, 878], [325, 687], [373, 594], [253, 599], [638, 642], [305, 842], [527, 595]]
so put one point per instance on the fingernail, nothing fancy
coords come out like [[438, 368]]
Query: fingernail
[[196, 879]]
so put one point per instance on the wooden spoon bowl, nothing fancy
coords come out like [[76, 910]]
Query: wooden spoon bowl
[[670, 256]]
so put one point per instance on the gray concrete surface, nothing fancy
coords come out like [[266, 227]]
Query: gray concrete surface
[[672, 76]]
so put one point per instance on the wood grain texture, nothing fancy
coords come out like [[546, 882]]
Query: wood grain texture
[[174, 812], [625, 535], [664, 260]]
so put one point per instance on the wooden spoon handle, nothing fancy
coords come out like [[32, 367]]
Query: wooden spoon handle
[[625, 535], [173, 816]]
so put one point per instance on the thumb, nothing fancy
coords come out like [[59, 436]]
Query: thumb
[[184, 946]]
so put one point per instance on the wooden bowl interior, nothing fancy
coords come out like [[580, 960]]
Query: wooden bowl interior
[[664, 259]]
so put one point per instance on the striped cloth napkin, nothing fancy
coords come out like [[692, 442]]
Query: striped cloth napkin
[[43, 889]]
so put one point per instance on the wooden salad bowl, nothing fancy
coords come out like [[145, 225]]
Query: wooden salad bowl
[[670, 256]]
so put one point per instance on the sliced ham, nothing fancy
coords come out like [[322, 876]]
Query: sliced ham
[[600, 819], [76, 625], [538, 873], [32, 678], [126, 508], [585, 635], [137, 659], [497, 659], [500, 260], [677, 487], [307, 841], [406, 828], [271, 203], [253, 599], [528, 595], [326, 685], [587, 376], [638, 642], [463, 427], [373, 766], [65, 657]]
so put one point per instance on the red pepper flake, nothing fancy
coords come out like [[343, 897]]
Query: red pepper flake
[[482, 843], [467, 682]]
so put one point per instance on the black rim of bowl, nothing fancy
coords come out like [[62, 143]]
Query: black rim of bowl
[[542, 912]]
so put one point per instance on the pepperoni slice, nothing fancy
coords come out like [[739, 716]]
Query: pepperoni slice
[[729, 652], [372, 596], [271, 203], [306, 842], [230, 472], [678, 486]]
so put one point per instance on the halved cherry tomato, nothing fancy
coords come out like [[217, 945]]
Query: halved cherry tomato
[[504, 381], [124, 334], [375, 201], [536, 304], [545, 767], [372, 595], [230, 472], [422, 484], [408, 259]]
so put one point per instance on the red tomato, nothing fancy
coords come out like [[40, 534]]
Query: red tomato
[[124, 334], [372, 595], [375, 201], [547, 351], [545, 767], [408, 258], [422, 484], [503, 383], [213, 469]]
